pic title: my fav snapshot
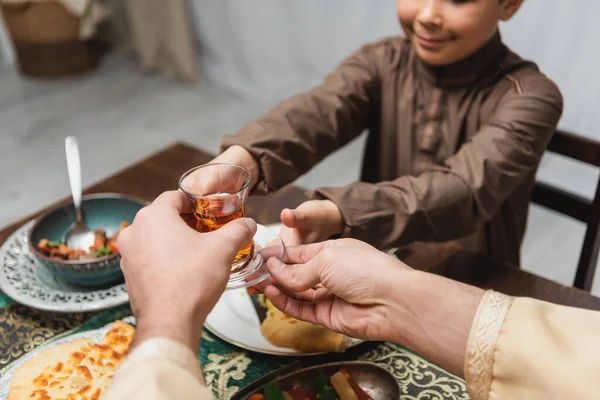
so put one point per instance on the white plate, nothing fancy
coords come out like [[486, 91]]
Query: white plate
[[24, 279], [95, 335], [275, 227], [234, 320]]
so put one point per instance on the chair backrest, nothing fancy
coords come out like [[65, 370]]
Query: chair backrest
[[575, 206]]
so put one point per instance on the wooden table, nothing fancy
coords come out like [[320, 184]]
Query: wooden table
[[161, 171], [228, 368]]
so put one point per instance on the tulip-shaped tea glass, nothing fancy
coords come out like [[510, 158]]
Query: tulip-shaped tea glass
[[218, 195]]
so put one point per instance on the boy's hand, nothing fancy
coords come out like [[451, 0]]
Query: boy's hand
[[240, 156], [313, 221]]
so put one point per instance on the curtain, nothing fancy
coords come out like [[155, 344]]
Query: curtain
[[161, 36]]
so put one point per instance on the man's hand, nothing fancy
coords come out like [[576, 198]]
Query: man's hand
[[352, 288], [174, 274]]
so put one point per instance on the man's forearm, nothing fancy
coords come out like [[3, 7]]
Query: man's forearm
[[434, 317]]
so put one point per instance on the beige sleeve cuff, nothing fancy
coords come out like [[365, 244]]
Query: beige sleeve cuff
[[167, 350], [485, 331], [159, 369]]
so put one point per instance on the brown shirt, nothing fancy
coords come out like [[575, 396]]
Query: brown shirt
[[451, 154]]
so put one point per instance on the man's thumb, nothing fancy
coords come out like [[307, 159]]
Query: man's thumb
[[234, 236]]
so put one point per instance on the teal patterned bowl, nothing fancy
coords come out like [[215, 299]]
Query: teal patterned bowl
[[101, 211]]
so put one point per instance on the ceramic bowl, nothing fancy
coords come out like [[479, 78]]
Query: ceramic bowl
[[101, 211]]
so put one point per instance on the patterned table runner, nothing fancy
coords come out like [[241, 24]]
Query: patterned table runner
[[226, 368]]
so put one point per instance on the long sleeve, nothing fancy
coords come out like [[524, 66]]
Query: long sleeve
[[453, 200], [301, 131], [528, 349], [159, 369]]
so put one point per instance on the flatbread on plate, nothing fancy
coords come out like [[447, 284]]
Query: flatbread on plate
[[78, 370], [284, 331]]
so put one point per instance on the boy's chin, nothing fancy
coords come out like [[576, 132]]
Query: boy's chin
[[438, 58]]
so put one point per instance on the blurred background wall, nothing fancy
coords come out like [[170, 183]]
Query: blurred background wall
[[253, 54], [272, 49]]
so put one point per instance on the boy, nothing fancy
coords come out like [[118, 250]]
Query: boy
[[457, 126]]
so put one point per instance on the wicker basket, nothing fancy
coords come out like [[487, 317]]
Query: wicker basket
[[45, 37]]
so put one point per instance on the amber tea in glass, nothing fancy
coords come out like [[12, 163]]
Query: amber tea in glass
[[218, 193], [214, 211]]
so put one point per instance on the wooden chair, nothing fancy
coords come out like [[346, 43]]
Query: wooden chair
[[577, 207]]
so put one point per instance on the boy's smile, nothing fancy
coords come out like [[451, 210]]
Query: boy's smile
[[432, 43], [446, 31]]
